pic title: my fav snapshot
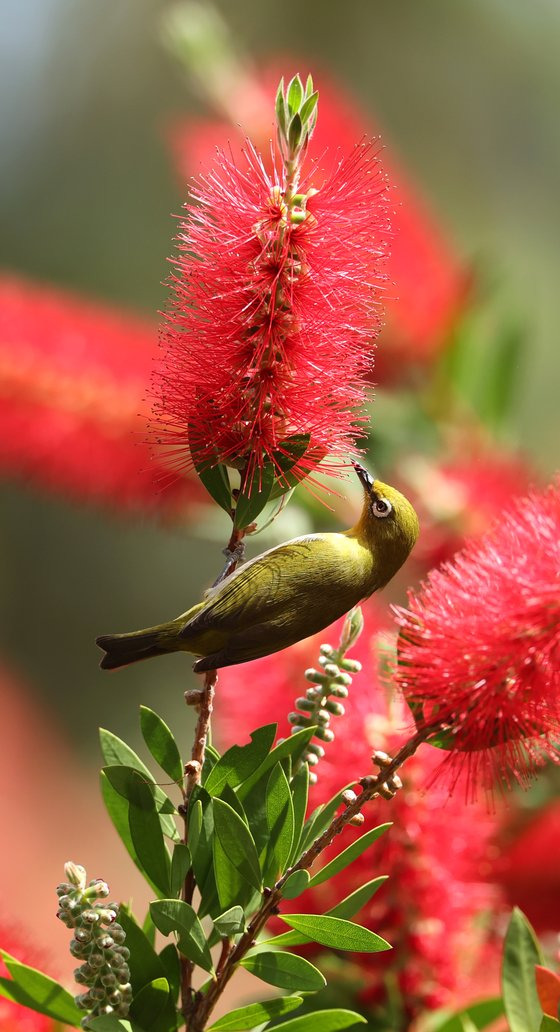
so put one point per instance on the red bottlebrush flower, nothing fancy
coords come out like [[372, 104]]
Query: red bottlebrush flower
[[480, 645], [72, 379], [13, 1016], [435, 892], [428, 284], [528, 870], [273, 306]]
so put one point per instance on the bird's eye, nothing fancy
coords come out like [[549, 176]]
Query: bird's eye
[[381, 507]]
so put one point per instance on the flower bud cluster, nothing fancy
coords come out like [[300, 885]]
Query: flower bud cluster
[[98, 942], [329, 685]]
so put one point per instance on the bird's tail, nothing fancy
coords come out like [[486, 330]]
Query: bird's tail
[[121, 649]]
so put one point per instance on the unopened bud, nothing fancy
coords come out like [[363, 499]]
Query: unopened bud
[[349, 797], [192, 769], [357, 820], [381, 759], [325, 734], [336, 708], [76, 874], [193, 697], [331, 670]]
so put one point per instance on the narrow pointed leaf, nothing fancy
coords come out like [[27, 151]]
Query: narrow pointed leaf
[[180, 865], [252, 500], [321, 818], [236, 864], [280, 823], [285, 970], [336, 933], [33, 989], [201, 842], [300, 788], [481, 1015], [239, 762], [161, 743], [352, 904], [216, 481], [521, 954], [326, 1020], [292, 747], [295, 94], [144, 963], [549, 1024], [117, 808], [174, 915], [109, 1023], [169, 957], [244, 1018], [348, 855], [308, 107], [148, 841]]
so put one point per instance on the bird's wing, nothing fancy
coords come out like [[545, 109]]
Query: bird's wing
[[286, 576]]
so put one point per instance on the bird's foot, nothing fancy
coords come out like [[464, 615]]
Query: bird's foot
[[234, 556]]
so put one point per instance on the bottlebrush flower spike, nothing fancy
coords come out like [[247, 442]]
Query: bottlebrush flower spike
[[274, 302], [427, 286], [480, 646], [73, 376]]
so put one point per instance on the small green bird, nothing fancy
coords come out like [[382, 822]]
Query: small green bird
[[285, 594]]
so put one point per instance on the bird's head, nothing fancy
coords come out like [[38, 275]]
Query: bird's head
[[387, 515]]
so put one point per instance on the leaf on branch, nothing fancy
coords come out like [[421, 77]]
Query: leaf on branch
[[239, 762], [348, 855], [180, 865], [326, 1020], [297, 883], [151, 1002], [300, 789], [244, 1018], [174, 915], [236, 864], [521, 953], [33, 989], [161, 743], [280, 824], [285, 970], [336, 933]]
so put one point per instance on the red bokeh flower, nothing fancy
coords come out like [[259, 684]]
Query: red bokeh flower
[[427, 283], [528, 868], [73, 376], [480, 645], [13, 1016], [274, 303], [435, 891]]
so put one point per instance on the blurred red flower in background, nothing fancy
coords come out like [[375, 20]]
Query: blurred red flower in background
[[272, 312], [73, 419], [528, 867], [437, 869], [479, 648], [430, 283]]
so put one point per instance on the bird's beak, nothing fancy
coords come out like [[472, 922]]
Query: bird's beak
[[365, 478]]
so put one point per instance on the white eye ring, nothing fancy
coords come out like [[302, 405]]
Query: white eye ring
[[381, 508]]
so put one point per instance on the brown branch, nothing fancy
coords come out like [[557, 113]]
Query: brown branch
[[272, 897]]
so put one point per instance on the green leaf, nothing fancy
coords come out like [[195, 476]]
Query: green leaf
[[236, 864], [327, 1020], [480, 1015], [336, 933], [33, 989], [239, 762], [308, 107], [244, 1018], [230, 923], [300, 788], [521, 953], [109, 1023], [353, 903], [117, 808], [201, 838], [549, 1024], [297, 883], [147, 838], [169, 957], [252, 500], [295, 132], [180, 865], [211, 757], [348, 855], [144, 963], [281, 107], [151, 1002], [174, 915], [280, 823], [117, 753], [292, 747], [216, 481], [294, 94], [285, 970], [321, 818], [161, 743], [285, 458]]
